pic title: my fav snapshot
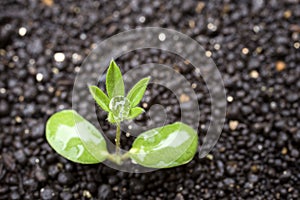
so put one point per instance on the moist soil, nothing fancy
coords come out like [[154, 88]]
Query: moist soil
[[255, 45]]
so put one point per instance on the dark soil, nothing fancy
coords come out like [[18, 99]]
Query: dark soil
[[255, 45]]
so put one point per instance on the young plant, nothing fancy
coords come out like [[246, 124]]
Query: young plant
[[76, 139]]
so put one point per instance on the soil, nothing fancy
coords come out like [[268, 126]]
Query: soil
[[255, 45]]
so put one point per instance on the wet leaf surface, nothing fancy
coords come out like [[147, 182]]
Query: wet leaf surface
[[166, 146], [75, 138]]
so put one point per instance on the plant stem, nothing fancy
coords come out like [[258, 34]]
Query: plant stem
[[118, 137], [118, 159], [114, 158], [125, 156]]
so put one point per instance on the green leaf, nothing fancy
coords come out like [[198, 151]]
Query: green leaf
[[134, 112], [164, 147], [74, 138], [114, 81], [99, 96], [136, 93], [111, 119]]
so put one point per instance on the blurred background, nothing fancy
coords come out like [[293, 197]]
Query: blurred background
[[255, 45]]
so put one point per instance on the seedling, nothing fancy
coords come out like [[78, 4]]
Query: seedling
[[76, 139]]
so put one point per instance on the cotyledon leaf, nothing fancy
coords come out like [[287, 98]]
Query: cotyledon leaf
[[165, 147], [76, 139]]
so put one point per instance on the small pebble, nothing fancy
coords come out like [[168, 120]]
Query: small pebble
[[18, 119], [142, 19], [47, 193], [145, 105], [208, 54], [217, 46], [4, 108], [284, 151], [229, 182], [35, 46], [65, 195], [48, 2], [65, 178], [179, 197], [22, 31], [40, 175], [287, 14], [210, 156], [295, 153], [229, 99], [233, 125], [53, 171], [211, 27], [38, 130], [273, 105], [200, 6], [254, 74], [254, 168], [2, 90], [256, 29], [15, 195], [253, 178], [192, 24], [87, 194], [76, 58], [39, 77], [245, 51], [280, 66], [184, 98], [20, 156], [136, 186], [59, 57], [105, 192], [162, 37], [55, 70], [30, 184], [9, 161]]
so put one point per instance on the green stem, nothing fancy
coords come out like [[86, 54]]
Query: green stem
[[114, 158], [125, 156], [118, 159], [118, 138]]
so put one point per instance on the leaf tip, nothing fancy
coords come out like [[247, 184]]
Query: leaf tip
[[142, 110], [91, 87], [112, 63]]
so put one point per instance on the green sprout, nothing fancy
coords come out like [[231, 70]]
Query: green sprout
[[76, 139]]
